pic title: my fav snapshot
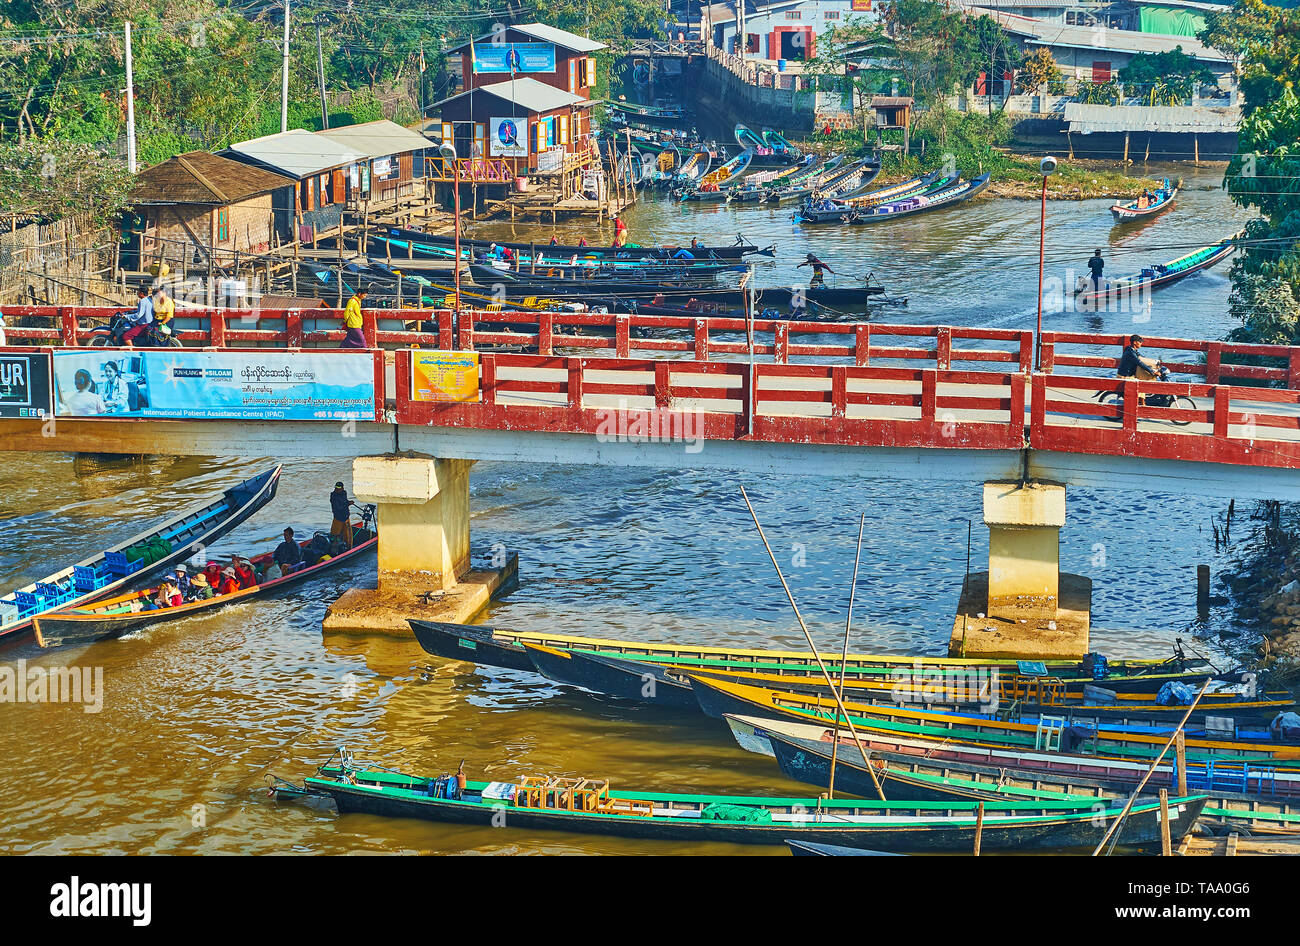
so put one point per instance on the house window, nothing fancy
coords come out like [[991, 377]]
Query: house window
[[564, 129], [223, 224], [573, 76], [831, 15], [480, 139], [1100, 70], [751, 42], [794, 15], [591, 70]]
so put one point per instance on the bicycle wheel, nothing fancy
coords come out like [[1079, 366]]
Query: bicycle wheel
[[1183, 403]]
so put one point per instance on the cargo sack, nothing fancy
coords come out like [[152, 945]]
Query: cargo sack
[[743, 813]]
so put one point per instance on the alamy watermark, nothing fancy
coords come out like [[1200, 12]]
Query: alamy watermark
[[22, 683]]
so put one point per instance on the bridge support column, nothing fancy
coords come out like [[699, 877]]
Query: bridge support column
[[424, 567], [1024, 606]]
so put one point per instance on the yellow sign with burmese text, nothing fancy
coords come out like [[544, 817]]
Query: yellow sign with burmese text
[[444, 375]]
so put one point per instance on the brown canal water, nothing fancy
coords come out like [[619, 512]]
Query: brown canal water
[[197, 714]]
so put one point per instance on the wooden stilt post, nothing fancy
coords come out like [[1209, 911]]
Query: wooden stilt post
[[1166, 846], [1196, 149], [1180, 759], [979, 828], [1126, 149]]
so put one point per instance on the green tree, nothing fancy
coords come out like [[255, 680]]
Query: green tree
[[50, 180], [1265, 176], [1235, 30], [1164, 78]]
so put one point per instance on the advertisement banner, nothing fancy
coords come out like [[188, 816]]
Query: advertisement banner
[[24, 384], [444, 375], [861, 6], [517, 57], [509, 138], [209, 385]]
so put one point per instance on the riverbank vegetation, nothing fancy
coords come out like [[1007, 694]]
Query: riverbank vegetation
[[1265, 176]]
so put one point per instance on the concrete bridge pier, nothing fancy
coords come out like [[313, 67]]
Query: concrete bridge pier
[[1024, 606], [424, 546]]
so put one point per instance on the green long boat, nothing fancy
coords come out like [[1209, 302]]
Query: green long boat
[[590, 806]]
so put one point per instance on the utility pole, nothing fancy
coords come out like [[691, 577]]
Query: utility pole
[[320, 74], [284, 78], [130, 105]]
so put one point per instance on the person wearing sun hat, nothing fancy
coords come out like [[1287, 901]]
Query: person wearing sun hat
[[199, 587]]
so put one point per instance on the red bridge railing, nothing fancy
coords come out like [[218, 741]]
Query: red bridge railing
[[1214, 362]]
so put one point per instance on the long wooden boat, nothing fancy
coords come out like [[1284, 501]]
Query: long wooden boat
[[694, 167], [777, 142], [1013, 697], [113, 617], [851, 180], [1152, 277], [756, 187], [1164, 199], [1117, 739], [750, 140], [1264, 799], [920, 203], [503, 647], [819, 209], [649, 111], [590, 806], [669, 292], [106, 572], [805, 182], [813, 849], [714, 185], [740, 248]]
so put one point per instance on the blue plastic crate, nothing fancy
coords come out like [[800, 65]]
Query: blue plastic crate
[[118, 565]]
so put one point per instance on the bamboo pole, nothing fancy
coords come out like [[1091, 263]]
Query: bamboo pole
[[1180, 755], [844, 653], [839, 702], [979, 828], [1114, 828]]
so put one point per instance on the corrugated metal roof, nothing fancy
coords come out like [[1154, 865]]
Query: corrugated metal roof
[[1176, 119], [297, 153], [1086, 37], [377, 139], [547, 34], [527, 93]]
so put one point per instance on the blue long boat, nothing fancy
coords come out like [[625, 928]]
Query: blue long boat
[[149, 553]]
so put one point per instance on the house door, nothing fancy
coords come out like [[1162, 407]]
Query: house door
[[1100, 70]]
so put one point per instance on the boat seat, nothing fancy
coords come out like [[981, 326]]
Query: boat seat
[[1047, 737]]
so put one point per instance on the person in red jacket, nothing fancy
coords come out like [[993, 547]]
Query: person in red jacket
[[212, 572], [229, 581], [243, 571]]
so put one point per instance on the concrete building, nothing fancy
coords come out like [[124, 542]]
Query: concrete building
[[1097, 53], [786, 29]]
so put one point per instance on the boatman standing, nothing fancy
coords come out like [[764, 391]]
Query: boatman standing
[[1096, 264], [339, 504], [819, 269]]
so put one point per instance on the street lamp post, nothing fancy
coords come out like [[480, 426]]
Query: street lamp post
[[1045, 168], [448, 152]]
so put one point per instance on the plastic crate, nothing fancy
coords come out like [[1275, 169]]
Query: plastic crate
[[87, 578], [8, 612], [118, 565]]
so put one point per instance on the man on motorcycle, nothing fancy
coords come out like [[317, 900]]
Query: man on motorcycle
[[140, 319], [1131, 361]]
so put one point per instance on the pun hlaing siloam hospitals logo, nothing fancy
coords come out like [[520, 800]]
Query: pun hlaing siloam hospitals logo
[[508, 133], [178, 373]]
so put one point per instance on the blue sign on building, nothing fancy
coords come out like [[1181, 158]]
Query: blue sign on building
[[514, 57]]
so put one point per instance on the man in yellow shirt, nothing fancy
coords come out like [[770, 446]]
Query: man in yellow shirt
[[352, 321]]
